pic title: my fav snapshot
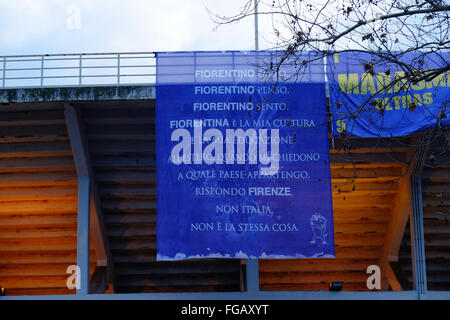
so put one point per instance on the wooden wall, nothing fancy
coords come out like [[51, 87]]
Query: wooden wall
[[38, 200], [38, 205], [365, 175], [121, 139], [436, 216]]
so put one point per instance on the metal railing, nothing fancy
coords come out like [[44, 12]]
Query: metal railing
[[83, 69]]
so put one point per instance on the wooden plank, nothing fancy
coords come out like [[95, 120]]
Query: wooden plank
[[129, 218], [36, 164], [312, 277], [439, 202], [203, 266], [122, 147], [33, 139], [365, 173], [360, 252], [355, 214], [436, 206], [130, 231], [133, 244], [24, 118], [315, 265], [385, 179], [31, 122], [131, 211], [360, 286], [365, 148], [433, 241], [438, 286], [436, 190], [436, 265], [129, 191], [129, 256], [24, 282], [124, 162], [438, 143], [439, 277], [94, 135], [347, 228], [436, 175], [38, 244], [371, 239], [436, 227], [437, 253], [43, 269], [167, 288], [435, 210], [374, 201], [179, 283], [362, 221], [349, 144], [34, 281], [35, 149], [126, 177], [12, 258], [37, 232], [34, 207], [38, 179], [436, 215], [439, 160], [118, 205], [118, 147], [38, 220], [39, 193], [363, 193], [365, 186], [130, 130], [40, 291], [25, 131], [367, 160], [180, 280], [30, 106]]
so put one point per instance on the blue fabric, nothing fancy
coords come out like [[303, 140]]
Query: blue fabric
[[368, 99], [275, 209]]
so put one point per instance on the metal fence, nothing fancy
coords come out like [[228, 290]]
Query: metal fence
[[51, 70]]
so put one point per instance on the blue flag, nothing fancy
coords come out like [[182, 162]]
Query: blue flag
[[373, 99], [243, 168]]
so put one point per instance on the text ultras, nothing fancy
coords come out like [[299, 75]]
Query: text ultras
[[396, 83]]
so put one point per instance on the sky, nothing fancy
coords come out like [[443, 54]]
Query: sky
[[87, 26]]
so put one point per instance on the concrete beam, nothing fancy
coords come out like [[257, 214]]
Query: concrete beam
[[88, 93], [84, 170]]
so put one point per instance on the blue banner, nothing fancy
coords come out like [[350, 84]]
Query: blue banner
[[374, 99], [243, 167]]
